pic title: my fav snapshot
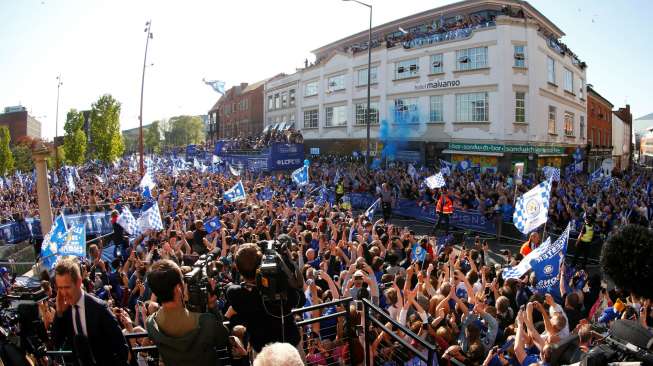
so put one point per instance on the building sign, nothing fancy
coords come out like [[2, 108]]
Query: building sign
[[438, 84], [521, 149]]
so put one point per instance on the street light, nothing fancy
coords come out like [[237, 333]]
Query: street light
[[56, 123], [148, 25], [369, 81]]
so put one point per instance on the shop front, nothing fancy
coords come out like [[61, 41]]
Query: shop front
[[502, 158]]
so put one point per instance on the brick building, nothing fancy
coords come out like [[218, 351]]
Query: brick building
[[238, 113], [20, 123], [599, 129]]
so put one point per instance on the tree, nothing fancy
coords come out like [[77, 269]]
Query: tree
[[152, 137], [23, 158], [74, 139], [106, 142], [6, 156], [185, 130]]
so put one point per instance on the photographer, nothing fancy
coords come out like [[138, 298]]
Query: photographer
[[266, 321], [182, 337]]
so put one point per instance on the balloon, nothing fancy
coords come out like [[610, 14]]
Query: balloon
[[306, 162]]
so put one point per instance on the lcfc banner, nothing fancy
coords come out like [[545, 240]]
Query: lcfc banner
[[286, 156]]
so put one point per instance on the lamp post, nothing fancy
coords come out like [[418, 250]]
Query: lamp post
[[369, 81], [56, 123], [148, 25]]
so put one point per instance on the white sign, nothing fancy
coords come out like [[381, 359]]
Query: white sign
[[438, 84], [607, 166], [315, 151], [519, 172]]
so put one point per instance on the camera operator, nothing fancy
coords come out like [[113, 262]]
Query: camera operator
[[181, 336], [266, 321]]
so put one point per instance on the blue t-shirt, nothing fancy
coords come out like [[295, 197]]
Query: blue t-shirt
[[532, 359]]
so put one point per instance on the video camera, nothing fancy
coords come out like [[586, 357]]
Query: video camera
[[197, 282], [271, 279]]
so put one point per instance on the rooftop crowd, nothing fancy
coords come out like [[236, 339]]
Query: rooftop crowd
[[455, 298]]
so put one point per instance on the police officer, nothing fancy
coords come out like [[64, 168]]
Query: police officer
[[584, 240], [340, 190], [444, 209]]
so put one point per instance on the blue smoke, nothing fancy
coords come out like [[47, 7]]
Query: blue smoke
[[405, 124]]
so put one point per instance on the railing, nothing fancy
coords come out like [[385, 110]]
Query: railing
[[376, 318], [321, 341]]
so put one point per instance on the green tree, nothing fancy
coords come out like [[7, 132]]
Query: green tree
[[106, 141], [74, 139], [6, 156], [22, 158], [152, 137], [185, 130]]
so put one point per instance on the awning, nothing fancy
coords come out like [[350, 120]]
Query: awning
[[282, 126], [481, 153]]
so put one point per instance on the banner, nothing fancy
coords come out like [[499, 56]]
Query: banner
[[286, 156], [469, 220], [74, 242]]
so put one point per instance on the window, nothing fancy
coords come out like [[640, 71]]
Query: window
[[520, 107], [277, 101], [471, 58], [335, 83], [406, 110], [436, 63], [582, 89], [310, 88], [291, 94], [270, 103], [582, 127], [551, 70], [472, 107], [598, 141], [435, 113], [336, 116], [360, 113], [593, 140], [311, 118], [284, 100], [552, 120], [569, 124], [292, 120], [362, 76], [569, 80], [520, 56], [406, 69]]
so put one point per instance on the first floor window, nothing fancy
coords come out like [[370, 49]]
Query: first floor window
[[471, 58], [568, 80], [406, 69], [270, 103], [336, 116], [311, 118], [335, 83], [550, 70], [472, 107], [292, 97], [310, 88], [436, 63], [360, 113], [569, 124], [435, 113], [520, 56], [362, 76], [405, 110], [277, 101], [284, 100], [520, 107], [552, 119], [582, 127]]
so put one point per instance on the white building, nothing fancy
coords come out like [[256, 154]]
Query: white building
[[497, 90], [281, 107], [620, 142]]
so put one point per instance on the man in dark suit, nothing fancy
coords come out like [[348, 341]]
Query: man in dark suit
[[84, 322]]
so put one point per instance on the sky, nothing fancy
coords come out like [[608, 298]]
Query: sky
[[98, 48]]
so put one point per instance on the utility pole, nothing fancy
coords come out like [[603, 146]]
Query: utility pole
[[148, 26]]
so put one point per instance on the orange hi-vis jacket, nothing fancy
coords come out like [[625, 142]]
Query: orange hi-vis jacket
[[445, 205]]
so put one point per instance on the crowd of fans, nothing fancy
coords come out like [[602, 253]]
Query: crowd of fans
[[455, 298], [272, 135]]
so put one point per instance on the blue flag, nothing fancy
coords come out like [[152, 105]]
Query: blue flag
[[51, 242], [369, 213], [300, 176], [445, 167], [74, 242], [212, 225], [236, 193], [546, 265], [578, 155], [418, 254], [464, 165]]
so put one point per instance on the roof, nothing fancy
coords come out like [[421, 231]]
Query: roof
[[647, 117], [254, 86], [393, 25]]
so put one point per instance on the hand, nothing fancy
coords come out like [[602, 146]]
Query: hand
[[61, 304]]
